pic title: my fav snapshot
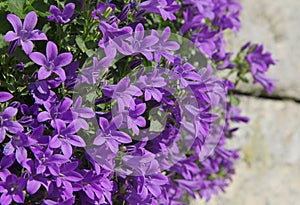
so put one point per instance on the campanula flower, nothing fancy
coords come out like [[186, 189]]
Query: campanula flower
[[62, 17], [24, 34], [52, 62]]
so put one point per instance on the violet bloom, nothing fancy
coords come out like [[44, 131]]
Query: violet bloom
[[114, 39], [191, 22], [18, 144], [80, 112], [12, 190], [205, 41], [186, 74], [260, 63], [163, 46], [151, 83], [204, 8], [96, 187], [5, 163], [48, 161], [20, 66], [53, 63], [59, 112], [123, 93], [5, 96], [151, 183], [91, 75], [166, 8], [65, 138], [109, 135], [40, 89], [124, 13], [62, 17], [142, 44], [68, 175], [24, 34], [99, 13], [7, 124], [134, 118]]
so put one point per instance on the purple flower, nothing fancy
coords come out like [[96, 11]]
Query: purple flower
[[97, 188], [186, 74], [65, 137], [7, 124], [24, 34], [67, 174], [163, 46], [190, 21], [40, 89], [166, 8], [12, 190], [141, 44], [124, 13], [260, 63], [134, 118], [91, 75], [114, 39], [80, 112], [109, 135], [20, 66], [62, 17], [5, 96], [5, 163], [151, 83], [123, 93], [99, 12], [57, 113], [52, 63], [204, 8], [205, 41], [48, 161], [18, 144]]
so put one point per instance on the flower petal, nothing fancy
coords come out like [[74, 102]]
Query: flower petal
[[69, 10], [9, 112], [43, 73], [27, 46], [55, 142], [66, 148], [61, 73], [121, 137], [51, 51], [30, 21], [33, 186], [15, 22], [5, 96], [63, 59], [38, 58], [76, 141], [10, 36], [43, 116]]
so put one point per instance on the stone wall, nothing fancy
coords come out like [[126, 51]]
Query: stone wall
[[269, 171]]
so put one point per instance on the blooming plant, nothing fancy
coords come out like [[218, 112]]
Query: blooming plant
[[120, 102]]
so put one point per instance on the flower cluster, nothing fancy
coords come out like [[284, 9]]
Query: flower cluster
[[102, 104]]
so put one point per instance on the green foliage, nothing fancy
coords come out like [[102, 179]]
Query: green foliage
[[16, 7]]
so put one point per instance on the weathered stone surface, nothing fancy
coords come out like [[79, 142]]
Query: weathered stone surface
[[276, 25], [268, 173]]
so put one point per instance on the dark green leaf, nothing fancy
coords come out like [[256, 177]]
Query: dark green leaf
[[16, 7]]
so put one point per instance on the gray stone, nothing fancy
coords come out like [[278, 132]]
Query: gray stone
[[268, 171], [274, 23]]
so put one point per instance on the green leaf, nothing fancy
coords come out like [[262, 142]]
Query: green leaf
[[234, 100], [16, 7], [156, 126], [2, 42], [80, 43]]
